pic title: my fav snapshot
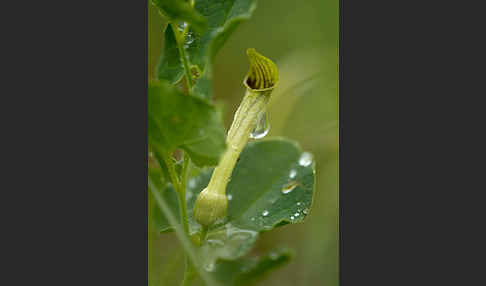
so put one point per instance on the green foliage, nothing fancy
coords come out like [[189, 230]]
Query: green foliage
[[178, 120], [223, 18], [272, 183], [179, 10], [170, 66], [271, 186], [247, 271]]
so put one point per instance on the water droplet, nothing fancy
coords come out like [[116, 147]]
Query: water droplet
[[292, 217], [289, 187], [230, 197], [293, 173], [262, 127], [305, 211], [188, 39], [209, 267], [305, 159], [265, 213], [182, 26], [296, 214], [299, 203]]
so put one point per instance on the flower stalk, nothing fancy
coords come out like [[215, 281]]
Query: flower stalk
[[211, 204]]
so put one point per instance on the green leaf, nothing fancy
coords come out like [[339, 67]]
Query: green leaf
[[180, 10], [246, 271], [170, 66], [272, 185], [223, 17], [177, 120]]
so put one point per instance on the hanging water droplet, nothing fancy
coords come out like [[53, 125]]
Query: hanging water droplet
[[189, 38], [305, 159], [209, 267], [265, 213], [182, 26], [289, 187], [293, 173], [262, 126], [230, 196]]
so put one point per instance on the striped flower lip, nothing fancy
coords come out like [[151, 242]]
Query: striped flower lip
[[263, 73]]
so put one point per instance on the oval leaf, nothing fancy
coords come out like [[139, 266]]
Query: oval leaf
[[272, 185], [177, 120]]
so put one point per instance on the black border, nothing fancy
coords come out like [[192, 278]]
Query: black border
[[77, 153]]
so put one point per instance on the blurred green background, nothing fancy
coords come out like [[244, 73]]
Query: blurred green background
[[302, 39]]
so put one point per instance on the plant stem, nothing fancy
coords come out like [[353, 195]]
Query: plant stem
[[180, 187], [170, 166], [187, 245], [189, 273], [182, 53], [204, 233], [182, 193]]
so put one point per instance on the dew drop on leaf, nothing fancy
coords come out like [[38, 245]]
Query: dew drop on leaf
[[293, 173], [230, 197], [305, 159], [262, 126], [292, 217], [265, 213], [299, 203], [209, 267], [289, 187], [296, 214]]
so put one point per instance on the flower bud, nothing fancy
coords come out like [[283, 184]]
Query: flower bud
[[262, 78], [210, 206], [263, 73]]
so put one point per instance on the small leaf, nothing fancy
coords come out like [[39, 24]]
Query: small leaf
[[177, 120], [245, 271], [179, 10], [170, 66]]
